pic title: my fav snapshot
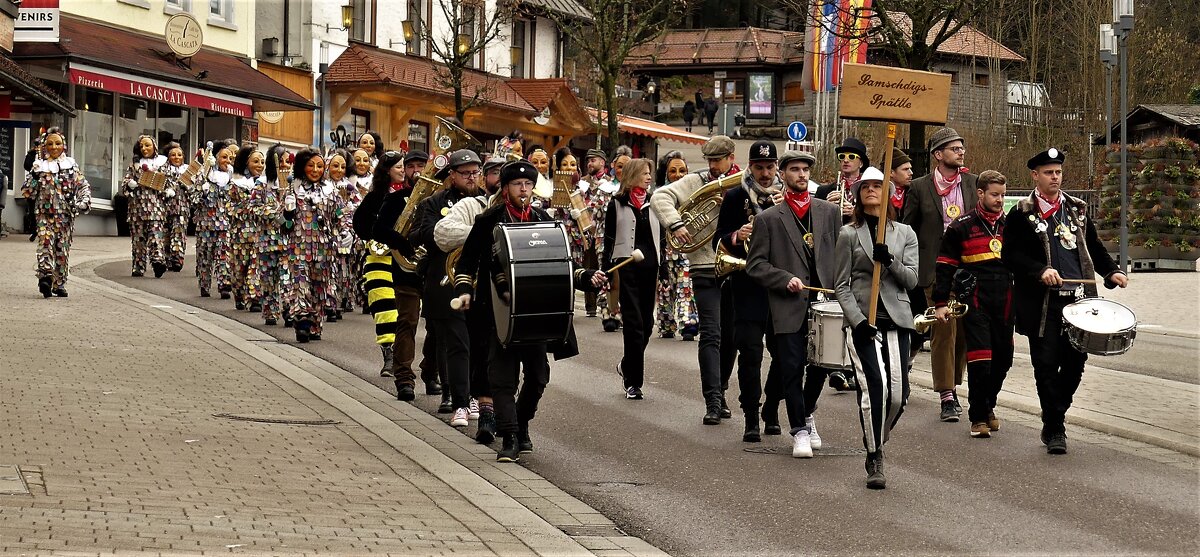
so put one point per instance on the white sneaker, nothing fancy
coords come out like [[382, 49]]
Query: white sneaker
[[814, 440], [473, 409], [460, 417], [801, 447]]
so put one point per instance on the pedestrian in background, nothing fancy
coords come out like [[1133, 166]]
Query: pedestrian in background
[[689, 114]]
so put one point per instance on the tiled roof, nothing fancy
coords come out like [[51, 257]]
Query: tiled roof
[[129, 51], [968, 41], [363, 64], [15, 76], [564, 7], [750, 45], [1182, 114], [539, 92], [649, 128]]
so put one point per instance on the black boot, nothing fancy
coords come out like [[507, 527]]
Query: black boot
[[160, 269], [447, 406], [404, 393], [770, 418], [713, 414], [611, 325], [725, 413], [524, 443], [255, 307], [486, 433], [303, 331], [386, 370], [224, 294], [60, 292], [751, 434], [509, 452], [44, 286], [875, 479]]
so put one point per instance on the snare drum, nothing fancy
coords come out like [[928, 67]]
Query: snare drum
[[1101, 327], [827, 340]]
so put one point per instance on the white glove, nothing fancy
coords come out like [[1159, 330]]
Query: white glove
[[289, 203], [608, 186], [170, 192], [575, 213], [584, 186], [552, 212], [205, 187], [82, 205]]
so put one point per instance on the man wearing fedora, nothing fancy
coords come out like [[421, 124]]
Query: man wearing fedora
[[933, 202], [852, 160]]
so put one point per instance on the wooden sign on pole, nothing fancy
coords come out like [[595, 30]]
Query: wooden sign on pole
[[891, 95]]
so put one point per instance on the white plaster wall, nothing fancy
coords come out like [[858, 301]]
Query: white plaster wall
[[546, 49], [150, 16]]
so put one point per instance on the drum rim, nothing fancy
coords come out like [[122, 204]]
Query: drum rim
[[1101, 302]]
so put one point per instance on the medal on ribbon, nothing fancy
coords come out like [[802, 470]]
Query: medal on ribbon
[[995, 245], [953, 211], [808, 239]]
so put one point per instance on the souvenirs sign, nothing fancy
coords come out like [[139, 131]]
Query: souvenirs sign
[[893, 94]]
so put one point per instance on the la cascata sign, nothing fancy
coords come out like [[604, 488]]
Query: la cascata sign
[[893, 94]]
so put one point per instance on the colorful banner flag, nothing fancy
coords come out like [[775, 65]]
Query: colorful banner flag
[[838, 35]]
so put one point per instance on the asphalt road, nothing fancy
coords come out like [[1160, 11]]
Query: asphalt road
[[692, 489]]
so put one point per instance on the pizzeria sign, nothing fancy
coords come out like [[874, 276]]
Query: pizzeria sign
[[153, 89]]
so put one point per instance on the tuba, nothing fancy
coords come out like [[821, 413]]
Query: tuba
[[448, 138], [699, 213]]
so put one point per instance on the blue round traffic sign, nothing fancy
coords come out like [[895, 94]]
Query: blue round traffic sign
[[797, 131]]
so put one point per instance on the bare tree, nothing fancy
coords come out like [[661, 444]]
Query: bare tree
[[463, 46], [908, 33], [616, 27]]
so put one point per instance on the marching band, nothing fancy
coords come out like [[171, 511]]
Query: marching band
[[492, 258]]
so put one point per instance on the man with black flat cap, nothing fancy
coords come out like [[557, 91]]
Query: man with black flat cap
[[760, 190], [506, 364], [414, 164], [1051, 222], [933, 202]]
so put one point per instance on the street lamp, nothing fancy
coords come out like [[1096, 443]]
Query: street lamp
[[651, 87], [409, 30], [1123, 25], [464, 43]]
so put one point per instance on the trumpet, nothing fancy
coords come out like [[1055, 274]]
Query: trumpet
[[926, 320]]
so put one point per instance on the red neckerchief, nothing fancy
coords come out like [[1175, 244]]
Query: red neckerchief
[[898, 196], [989, 216], [1045, 207], [400, 186], [637, 197], [518, 215], [946, 185], [733, 169], [798, 201], [848, 183]]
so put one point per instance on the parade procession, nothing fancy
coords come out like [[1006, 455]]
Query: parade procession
[[426, 276]]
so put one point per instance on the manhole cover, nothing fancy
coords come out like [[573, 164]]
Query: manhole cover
[[268, 419], [598, 530], [823, 452], [620, 485]]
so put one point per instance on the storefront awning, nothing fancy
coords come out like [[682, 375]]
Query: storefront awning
[[648, 128], [141, 65], [13, 76]]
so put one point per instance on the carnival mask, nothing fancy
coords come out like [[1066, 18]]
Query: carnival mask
[[337, 168], [315, 169]]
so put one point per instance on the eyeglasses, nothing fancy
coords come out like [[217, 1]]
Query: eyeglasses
[[848, 156], [959, 149], [471, 174]]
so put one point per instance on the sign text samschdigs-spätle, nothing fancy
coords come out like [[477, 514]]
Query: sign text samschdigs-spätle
[[893, 94]]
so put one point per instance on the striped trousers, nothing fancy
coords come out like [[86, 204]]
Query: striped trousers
[[381, 296], [881, 367]]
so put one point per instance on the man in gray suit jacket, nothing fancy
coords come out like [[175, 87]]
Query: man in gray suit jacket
[[793, 249], [934, 201]]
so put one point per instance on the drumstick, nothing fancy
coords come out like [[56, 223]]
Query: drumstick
[[636, 257], [456, 304], [1080, 281], [821, 290]]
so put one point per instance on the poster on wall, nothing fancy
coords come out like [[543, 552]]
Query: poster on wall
[[761, 95]]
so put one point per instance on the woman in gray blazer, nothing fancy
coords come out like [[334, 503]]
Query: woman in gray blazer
[[880, 351]]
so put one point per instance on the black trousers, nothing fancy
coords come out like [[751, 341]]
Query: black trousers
[[590, 261], [505, 366], [881, 366], [1057, 367], [707, 290], [480, 324], [637, 292], [989, 329], [453, 356], [799, 384], [729, 348], [748, 336], [431, 370]]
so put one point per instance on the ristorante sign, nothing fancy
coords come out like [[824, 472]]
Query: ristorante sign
[[153, 89]]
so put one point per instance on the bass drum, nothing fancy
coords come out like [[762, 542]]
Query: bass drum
[[533, 292], [1101, 327], [827, 339]]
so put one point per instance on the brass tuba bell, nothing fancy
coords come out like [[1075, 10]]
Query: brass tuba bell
[[699, 213], [926, 320]]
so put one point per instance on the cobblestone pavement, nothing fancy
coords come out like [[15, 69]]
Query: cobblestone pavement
[[131, 423]]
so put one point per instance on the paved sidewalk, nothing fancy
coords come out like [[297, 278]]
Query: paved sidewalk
[[133, 423]]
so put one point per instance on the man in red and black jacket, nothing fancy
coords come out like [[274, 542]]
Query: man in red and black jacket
[[969, 264]]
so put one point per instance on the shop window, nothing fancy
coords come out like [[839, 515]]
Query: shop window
[[135, 118], [220, 13], [215, 126], [173, 124], [418, 136], [91, 143], [360, 122]]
